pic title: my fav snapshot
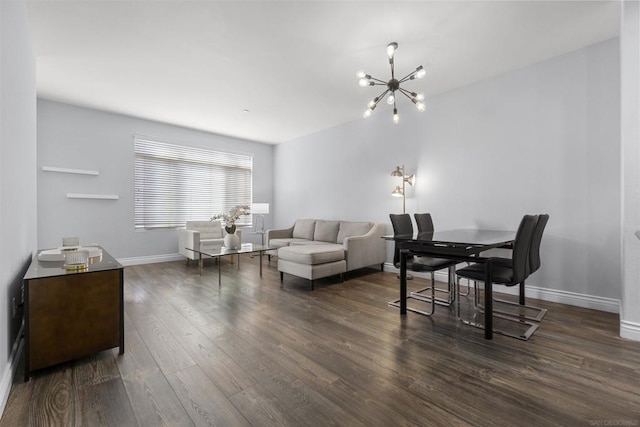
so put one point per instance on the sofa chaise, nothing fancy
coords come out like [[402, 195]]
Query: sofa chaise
[[314, 248]]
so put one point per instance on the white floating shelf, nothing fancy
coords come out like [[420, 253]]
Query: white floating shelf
[[93, 196], [67, 170]]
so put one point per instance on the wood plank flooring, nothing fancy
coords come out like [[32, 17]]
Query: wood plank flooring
[[253, 353]]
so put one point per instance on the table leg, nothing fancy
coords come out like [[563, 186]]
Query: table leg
[[200, 264], [238, 261], [488, 301], [403, 282], [219, 274], [260, 263]]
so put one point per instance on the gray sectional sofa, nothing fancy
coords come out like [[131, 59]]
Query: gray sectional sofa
[[315, 248]]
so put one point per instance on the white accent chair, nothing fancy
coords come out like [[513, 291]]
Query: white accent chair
[[199, 235]]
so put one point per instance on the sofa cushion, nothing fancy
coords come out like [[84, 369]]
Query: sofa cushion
[[303, 229], [326, 231], [311, 254], [301, 242], [281, 243], [350, 229]]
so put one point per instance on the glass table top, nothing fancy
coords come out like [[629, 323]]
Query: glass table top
[[215, 250], [462, 236], [40, 269]]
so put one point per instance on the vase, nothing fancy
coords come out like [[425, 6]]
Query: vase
[[232, 241]]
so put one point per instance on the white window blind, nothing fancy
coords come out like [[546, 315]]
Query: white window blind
[[175, 184]]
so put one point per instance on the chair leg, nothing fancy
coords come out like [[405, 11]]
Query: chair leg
[[537, 318], [541, 312], [420, 297], [432, 298], [496, 314], [450, 291]]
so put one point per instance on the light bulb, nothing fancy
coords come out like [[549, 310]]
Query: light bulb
[[391, 99], [371, 103], [363, 82], [420, 96], [391, 48], [420, 72], [367, 113], [396, 117], [420, 106], [361, 74]]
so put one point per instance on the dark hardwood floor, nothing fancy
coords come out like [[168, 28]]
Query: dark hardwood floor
[[255, 353]]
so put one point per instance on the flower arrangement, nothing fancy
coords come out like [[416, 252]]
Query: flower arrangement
[[230, 219]]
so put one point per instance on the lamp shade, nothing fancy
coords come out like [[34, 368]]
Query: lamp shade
[[260, 208], [397, 192]]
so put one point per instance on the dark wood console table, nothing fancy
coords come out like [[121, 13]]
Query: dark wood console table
[[72, 314]]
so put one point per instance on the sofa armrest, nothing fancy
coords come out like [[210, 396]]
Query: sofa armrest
[[285, 233], [366, 250], [188, 239]]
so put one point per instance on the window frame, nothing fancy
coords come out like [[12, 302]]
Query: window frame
[[172, 180]]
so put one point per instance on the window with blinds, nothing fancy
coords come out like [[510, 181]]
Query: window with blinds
[[175, 184]]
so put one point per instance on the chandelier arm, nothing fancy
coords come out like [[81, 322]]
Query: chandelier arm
[[406, 93], [408, 76], [381, 96], [392, 68], [378, 81]]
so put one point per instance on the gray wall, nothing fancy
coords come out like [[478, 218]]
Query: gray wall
[[540, 139], [82, 138], [17, 173]]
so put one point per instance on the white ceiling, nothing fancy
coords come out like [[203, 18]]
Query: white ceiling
[[292, 64]]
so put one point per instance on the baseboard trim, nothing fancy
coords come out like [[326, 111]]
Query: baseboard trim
[[594, 302], [630, 330], [9, 371], [152, 259]]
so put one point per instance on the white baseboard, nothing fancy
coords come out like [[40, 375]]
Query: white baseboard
[[594, 302], [7, 376], [630, 330], [152, 259]]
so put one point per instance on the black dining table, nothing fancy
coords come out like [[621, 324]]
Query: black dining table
[[464, 245]]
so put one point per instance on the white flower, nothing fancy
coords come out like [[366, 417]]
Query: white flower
[[230, 219]]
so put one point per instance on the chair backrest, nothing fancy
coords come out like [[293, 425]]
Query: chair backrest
[[521, 248], [424, 222], [534, 251], [402, 226]]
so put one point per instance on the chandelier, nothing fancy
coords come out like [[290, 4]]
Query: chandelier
[[393, 87]]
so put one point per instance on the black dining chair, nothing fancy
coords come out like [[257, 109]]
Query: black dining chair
[[533, 265], [424, 221], [403, 228], [510, 273]]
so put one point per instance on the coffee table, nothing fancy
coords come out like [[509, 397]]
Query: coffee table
[[218, 251]]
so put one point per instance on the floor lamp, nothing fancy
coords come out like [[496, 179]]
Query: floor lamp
[[260, 210], [400, 191]]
